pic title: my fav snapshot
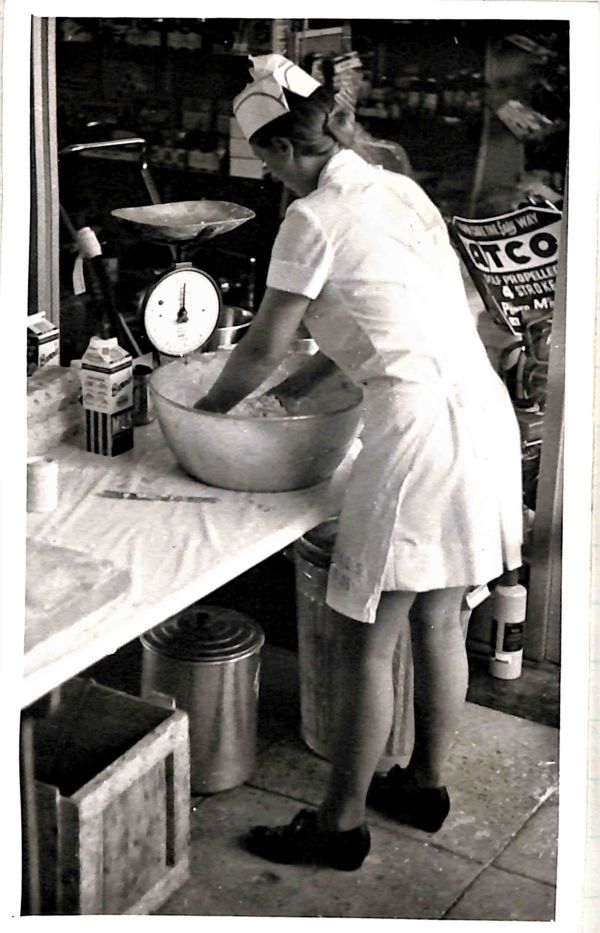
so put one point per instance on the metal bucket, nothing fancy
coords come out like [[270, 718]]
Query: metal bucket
[[319, 649], [208, 659]]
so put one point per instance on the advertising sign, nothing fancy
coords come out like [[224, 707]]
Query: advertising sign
[[512, 260]]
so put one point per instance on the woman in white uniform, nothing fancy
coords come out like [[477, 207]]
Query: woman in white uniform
[[433, 505]]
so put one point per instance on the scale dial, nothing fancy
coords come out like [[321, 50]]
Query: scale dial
[[182, 310]]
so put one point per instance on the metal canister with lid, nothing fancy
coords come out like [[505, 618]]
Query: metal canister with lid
[[208, 659]]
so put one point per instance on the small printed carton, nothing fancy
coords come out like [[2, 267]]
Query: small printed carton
[[43, 345], [107, 395]]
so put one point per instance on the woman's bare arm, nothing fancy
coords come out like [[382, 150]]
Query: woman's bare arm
[[263, 348]]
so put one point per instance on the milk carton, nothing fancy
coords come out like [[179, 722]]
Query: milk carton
[[42, 342], [107, 396]]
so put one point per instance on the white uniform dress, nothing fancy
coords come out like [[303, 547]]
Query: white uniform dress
[[434, 499]]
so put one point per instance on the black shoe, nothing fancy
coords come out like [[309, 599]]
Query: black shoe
[[302, 842], [395, 795]]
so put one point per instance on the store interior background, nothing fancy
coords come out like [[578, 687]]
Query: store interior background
[[432, 87]]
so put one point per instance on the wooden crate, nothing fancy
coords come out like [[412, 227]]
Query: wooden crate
[[112, 787]]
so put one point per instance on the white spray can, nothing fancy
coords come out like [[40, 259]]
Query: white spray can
[[509, 606]]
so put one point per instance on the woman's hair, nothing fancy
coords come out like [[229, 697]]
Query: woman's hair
[[310, 124], [315, 124]]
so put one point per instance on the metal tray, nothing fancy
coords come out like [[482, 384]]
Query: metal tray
[[184, 221]]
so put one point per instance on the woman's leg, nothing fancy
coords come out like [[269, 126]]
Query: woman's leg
[[440, 681], [364, 703]]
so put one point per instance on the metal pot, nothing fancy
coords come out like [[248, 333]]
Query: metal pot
[[208, 659], [232, 325]]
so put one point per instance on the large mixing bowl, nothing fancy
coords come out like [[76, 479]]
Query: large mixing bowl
[[271, 454]]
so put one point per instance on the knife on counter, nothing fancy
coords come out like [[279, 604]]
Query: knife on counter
[[152, 497]]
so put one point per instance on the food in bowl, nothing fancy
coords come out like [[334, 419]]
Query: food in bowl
[[198, 372], [249, 453], [259, 406]]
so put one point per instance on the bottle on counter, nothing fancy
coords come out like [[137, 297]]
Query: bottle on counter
[[101, 274], [107, 396]]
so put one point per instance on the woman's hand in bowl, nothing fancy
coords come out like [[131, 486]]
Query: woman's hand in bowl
[[287, 397], [205, 404]]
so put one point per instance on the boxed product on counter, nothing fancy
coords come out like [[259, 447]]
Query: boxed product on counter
[[107, 387], [42, 341]]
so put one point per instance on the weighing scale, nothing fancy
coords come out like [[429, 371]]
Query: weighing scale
[[181, 309]]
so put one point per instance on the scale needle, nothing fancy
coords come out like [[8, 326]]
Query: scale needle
[[182, 317]]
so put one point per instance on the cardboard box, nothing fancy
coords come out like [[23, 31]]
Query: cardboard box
[[107, 393], [112, 792], [43, 344]]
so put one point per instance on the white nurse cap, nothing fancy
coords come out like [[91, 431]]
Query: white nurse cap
[[263, 100]]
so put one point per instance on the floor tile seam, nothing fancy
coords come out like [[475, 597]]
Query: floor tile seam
[[540, 803], [543, 800], [522, 874], [491, 862], [467, 888], [403, 832], [406, 833], [277, 793]]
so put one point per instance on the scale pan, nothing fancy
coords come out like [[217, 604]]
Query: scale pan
[[185, 220]]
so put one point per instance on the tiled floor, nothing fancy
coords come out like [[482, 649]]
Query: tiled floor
[[494, 859]]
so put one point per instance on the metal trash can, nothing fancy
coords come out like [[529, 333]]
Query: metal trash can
[[319, 651], [208, 659]]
